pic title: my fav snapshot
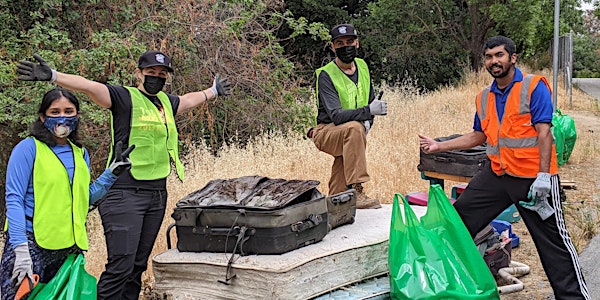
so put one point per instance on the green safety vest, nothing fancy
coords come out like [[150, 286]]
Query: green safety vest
[[60, 210], [352, 96], [155, 143]]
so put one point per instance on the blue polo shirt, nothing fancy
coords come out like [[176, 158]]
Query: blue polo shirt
[[540, 105]]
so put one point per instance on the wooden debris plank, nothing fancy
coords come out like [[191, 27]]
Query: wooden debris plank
[[568, 185]]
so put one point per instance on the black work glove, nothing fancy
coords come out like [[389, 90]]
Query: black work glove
[[35, 72], [221, 87], [121, 162]]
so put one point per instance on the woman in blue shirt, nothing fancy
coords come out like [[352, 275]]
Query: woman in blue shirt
[[45, 212]]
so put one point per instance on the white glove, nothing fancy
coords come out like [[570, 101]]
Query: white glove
[[541, 187], [378, 108], [367, 126], [23, 266], [221, 86], [539, 205], [539, 192]]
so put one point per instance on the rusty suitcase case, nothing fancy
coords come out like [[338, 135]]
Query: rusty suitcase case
[[456, 162], [341, 208], [251, 215]]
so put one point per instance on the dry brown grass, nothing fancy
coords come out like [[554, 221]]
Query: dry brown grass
[[392, 153]]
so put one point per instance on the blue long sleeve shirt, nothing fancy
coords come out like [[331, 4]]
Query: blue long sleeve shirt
[[19, 185]]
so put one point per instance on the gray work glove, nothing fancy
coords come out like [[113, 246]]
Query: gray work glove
[[539, 192], [378, 107], [540, 187], [367, 126], [220, 87], [539, 205], [121, 162], [23, 266], [35, 72]]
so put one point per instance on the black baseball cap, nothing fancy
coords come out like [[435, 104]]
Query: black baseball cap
[[155, 58], [343, 30]]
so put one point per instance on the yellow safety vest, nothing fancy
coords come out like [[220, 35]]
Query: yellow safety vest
[[60, 210]]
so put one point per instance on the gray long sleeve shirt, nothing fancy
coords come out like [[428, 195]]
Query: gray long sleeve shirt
[[330, 108]]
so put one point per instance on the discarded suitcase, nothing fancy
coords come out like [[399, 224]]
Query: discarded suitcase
[[341, 208], [455, 162], [251, 215]]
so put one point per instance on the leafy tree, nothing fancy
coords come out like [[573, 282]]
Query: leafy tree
[[586, 56], [309, 50], [534, 36], [430, 40], [413, 42], [101, 40]]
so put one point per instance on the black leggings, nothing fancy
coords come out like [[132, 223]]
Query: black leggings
[[487, 195]]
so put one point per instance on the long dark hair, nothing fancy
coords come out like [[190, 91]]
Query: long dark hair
[[39, 131]]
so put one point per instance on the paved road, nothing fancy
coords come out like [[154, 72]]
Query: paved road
[[589, 85], [590, 256]]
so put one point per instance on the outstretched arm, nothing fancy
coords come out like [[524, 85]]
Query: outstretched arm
[[220, 87], [41, 71], [97, 91], [465, 141]]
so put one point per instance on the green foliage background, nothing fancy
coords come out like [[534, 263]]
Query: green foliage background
[[269, 50]]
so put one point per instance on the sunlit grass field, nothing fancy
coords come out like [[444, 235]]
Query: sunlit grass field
[[392, 154]]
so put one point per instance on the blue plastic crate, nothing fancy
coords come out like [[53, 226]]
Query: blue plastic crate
[[501, 226]]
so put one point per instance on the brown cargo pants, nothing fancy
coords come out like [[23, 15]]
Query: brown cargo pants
[[347, 143]]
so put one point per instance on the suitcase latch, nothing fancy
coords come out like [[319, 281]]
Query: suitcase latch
[[310, 222]]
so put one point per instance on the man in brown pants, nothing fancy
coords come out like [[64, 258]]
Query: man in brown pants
[[347, 106]]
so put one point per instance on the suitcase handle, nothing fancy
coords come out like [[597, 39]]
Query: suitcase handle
[[169, 236], [341, 198], [227, 231], [444, 159], [311, 222]]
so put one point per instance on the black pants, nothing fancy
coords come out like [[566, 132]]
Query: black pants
[[131, 220], [487, 195]]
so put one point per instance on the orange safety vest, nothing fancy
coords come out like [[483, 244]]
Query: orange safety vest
[[512, 145]]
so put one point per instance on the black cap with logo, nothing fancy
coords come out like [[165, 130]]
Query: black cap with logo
[[343, 30], [155, 58]]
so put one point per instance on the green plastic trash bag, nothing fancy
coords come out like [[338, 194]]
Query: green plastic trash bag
[[565, 135], [71, 282], [435, 258]]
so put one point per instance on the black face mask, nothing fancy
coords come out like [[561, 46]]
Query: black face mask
[[153, 84], [346, 54]]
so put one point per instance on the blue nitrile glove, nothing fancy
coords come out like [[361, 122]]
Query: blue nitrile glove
[[23, 266], [220, 87], [539, 192]]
